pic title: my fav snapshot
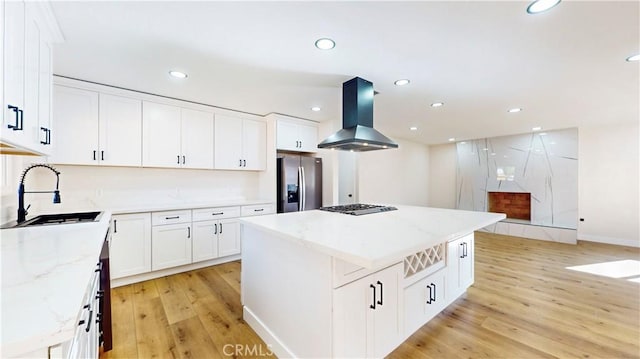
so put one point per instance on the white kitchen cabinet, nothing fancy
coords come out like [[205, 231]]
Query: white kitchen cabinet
[[171, 239], [459, 266], [28, 31], [111, 128], [257, 209], [176, 137], [130, 244], [296, 135], [423, 300], [366, 315], [215, 238], [229, 237], [240, 144], [76, 114]]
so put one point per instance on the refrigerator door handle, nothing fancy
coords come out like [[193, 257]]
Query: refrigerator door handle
[[304, 189], [300, 188]]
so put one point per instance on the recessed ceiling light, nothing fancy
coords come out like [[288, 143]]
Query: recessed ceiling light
[[485, 149], [462, 143], [437, 104], [413, 128], [542, 134], [539, 6], [178, 74], [635, 57], [325, 44], [401, 82], [315, 108], [452, 139], [514, 110], [537, 128]]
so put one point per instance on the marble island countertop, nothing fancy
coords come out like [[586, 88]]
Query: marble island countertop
[[374, 240], [45, 273]]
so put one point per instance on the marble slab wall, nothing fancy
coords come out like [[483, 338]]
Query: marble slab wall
[[544, 164]]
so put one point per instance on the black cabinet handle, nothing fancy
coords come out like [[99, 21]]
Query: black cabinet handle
[[244, 163], [434, 291], [14, 109], [174, 217], [47, 136], [300, 144], [89, 322], [220, 228], [381, 291], [258, 210], [373, 306], [189, 232], [217, 213], [215, 228], [101, 155], [430, 295], [100, 294], [94, 155], [240, 165], [184, 159], [178, 159], [462, 246], [115, 226]]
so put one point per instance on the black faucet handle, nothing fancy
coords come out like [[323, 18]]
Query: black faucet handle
[[26, 210]]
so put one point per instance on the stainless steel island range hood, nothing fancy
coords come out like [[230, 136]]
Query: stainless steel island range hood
[[357, 133]]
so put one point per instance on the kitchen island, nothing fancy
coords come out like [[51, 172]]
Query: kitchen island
[[323, 284]]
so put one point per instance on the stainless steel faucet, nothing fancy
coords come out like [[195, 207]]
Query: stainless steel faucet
[[22, 212]]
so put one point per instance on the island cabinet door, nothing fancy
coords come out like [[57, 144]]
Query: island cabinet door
[[423, 300], [460, 266], [366, 315]]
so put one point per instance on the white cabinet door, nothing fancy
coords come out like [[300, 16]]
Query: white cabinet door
[[197, 139], [120, 132], [76, 114], [45, 123], [423, 300], [366, 315], [171, 246], [460, 266], [13, 58], [308, 137], [130, 244], [161, 135], [287, 136], [228, 143], [228, 237], [254, 142], [205, 240], [31, 114]]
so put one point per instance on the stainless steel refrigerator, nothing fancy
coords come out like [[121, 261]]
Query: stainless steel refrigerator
[[299, 183]]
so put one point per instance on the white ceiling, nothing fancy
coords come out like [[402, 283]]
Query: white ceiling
[[565, 67]]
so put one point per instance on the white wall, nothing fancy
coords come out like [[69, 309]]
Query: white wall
[[395, 176], [442, 176], [608, 184]]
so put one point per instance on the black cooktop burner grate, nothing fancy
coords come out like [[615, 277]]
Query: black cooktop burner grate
[[358, 209]]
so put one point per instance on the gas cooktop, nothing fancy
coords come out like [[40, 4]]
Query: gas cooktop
[[358, 209]]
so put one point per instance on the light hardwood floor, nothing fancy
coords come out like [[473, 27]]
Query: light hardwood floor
[[524, 304]]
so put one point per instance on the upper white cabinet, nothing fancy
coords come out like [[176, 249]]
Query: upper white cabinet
[[366, 315], [296, 135], [27, 31], [240, 144], [176, 137], [111, 128]]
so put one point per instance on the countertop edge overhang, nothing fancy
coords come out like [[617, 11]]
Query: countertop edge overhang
[[376, 240]]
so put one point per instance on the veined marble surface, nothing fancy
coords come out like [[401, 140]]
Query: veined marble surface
[[374, 240], [544, 164], [46, 271]]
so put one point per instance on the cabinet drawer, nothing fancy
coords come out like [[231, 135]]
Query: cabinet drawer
[[257, 210], [170, 217], [206, 214]]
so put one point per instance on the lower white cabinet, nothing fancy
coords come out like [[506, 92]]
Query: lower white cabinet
[[366, 315], [86, 340], [130, 244], [423, 300], [459, 266], [215, 238], [171, 245]]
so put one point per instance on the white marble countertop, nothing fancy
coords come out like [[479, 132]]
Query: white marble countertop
[[45, 273], [120, 206], [374, 240]]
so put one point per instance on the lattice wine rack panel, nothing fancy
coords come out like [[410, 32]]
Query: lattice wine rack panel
[[423, 259]]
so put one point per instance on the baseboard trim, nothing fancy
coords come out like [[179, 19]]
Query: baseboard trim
[[609, 240]]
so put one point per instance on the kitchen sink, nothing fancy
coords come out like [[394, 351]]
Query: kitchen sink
[[59, 218]]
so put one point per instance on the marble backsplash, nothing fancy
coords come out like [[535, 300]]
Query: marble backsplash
[[544, 164]]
